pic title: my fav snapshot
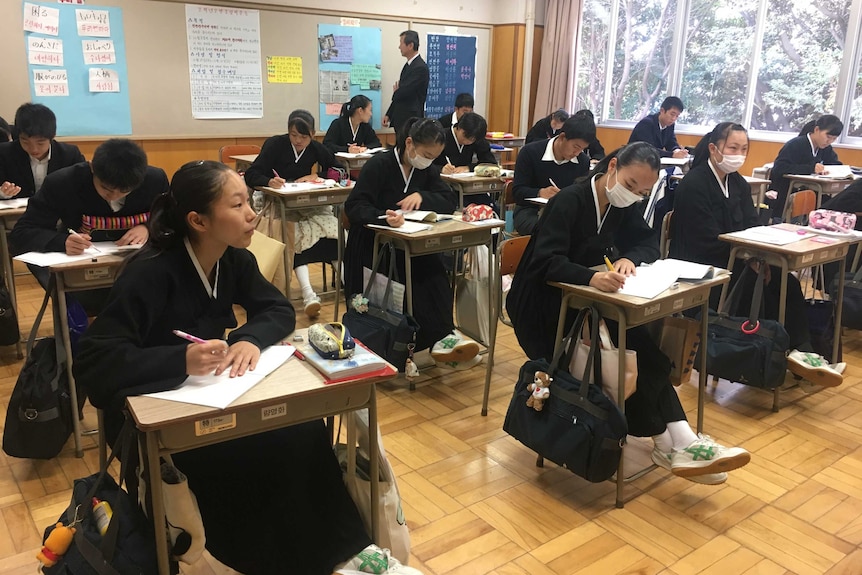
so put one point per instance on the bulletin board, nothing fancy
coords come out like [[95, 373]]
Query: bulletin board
[[452, 63]]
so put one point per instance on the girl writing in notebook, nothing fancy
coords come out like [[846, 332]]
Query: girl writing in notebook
[[292, 157], [351, 131], [405, 179], [285, 484], [595, 217]]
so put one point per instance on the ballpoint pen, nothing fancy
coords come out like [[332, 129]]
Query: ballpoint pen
[[188, 336], [553, 183], [276, 173], [74, 233]]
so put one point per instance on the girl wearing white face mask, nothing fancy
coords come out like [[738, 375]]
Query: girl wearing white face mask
[[596, 216], [393, 181]]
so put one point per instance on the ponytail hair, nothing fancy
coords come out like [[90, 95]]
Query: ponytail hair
[[302, 121], [828, 123], [360, 101], [718, 134], [634, 153], [423, 131]]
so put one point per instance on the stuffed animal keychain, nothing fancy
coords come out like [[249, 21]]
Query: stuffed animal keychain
[[58, 542], [540, 389], [410, 368]]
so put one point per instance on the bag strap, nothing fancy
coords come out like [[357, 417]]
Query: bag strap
[[38, 321], [754, 312]]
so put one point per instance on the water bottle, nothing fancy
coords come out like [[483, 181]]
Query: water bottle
[[257, 201], [102, 513]]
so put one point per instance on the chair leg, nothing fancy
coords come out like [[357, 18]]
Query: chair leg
[[540, 461]]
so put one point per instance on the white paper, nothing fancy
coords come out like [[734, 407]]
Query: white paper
[[104, 80], [461, 175], [301, 186], [420, 215], [349, 156], [221, 390], [98, 52], [44, 51], [834, 233], [50, 82], [41, 19], [46, 259], [487, 222], [683, 269], [770, 235], [541, 201], [93, 23], [405, 228], [838, 171], [334, 87], [13, 203]]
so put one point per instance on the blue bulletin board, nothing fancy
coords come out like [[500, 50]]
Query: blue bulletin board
[[364, 52], [452, 65], [82, 112]]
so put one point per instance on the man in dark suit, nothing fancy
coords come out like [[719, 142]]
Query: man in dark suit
[[25, 162], [408, 97], [657, 129]]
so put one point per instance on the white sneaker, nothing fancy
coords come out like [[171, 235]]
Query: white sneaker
[[375, 560], [663, 460], [704, 456], [454, 347], [815, 368], [460, 365], [312, 305]]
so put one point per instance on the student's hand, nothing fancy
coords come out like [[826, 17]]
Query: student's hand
[[394, 219], [411, 202], [276, 183], [77, 243], [385, 121], [354, 149], [309, 178], [680, 153], [462, 169], [136, 235], [625, 266], [448, 169], [9, 190], [204, 358], [548, 192], [607, 281], [241, 356], [819, 168]]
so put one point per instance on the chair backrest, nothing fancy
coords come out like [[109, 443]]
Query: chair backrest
[[225, 152], [509, 253], [664, 239], [799, 204], [507, 200], [268, 252], [764, 171]]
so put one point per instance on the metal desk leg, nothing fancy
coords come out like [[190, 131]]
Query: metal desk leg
[[9, 278], [782, 310], [63, 322], [701, 369], [287, 255], [839, 308], [154, 486], [495, 304], [340, 260], [374, 468], [622, 327]]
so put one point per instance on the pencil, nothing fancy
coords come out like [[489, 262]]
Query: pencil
[[609, 265], [553, 184], [276, 173], [74, 233], [188, 337]]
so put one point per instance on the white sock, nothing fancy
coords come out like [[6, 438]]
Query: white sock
[[682, 434], [304, 281], [664, 441]]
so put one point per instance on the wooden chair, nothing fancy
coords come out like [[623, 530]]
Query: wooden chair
[[664, 241], [507, 200], [225, 152], [799, 205]]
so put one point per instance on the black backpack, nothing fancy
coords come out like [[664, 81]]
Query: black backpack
[[39, 415], [9, 333]]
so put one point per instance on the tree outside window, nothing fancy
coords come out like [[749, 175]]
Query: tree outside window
[[855, 125], [592, 55]]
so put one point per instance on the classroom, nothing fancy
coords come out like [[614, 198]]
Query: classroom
[[169, 101]]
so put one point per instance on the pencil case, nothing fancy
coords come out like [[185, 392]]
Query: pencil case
[[331, 340], [832, 221]]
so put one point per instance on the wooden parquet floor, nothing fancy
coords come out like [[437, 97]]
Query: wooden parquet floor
[[477, 504]]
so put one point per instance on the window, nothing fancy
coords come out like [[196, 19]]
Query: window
[[592, 55], [855, 124]]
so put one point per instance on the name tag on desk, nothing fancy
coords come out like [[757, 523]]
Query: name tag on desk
[[215, 424]]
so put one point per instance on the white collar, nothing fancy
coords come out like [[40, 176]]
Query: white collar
[[410, 61], [454, 118], [722, 185], [600, 219], [352, 131], [455, 137], [814, 149], [299, 155], [549, 154], [43, 161], [400, 169], [212, 290]]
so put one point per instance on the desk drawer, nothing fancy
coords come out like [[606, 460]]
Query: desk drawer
[[86, 278], [467, 238], [264, 417]]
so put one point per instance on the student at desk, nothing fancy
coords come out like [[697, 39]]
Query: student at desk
[[291, 158], [595, 217], [351, 132], [714, 199], [107, 199], [25, 162], [464, 103], [271, 503], [544, 165], [547, 127], [5, 131], [406, 179], [465, 139], [808, 153]]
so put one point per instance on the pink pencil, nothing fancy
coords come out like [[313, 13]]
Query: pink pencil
[[188, 337]]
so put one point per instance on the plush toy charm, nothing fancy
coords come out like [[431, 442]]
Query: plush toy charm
[[410, 368], [56, 545], [541, 390], [359, 302]]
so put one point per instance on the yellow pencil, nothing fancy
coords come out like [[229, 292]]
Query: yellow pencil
[[609, 264]]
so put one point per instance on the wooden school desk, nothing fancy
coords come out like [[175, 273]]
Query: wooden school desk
[[8, 217], [353, 162], [632, 311], [512, 142], [287, 201], [244, 162], [682, 163], [758, 189], [468, 185], [294, 393], [820, 184], [805, 253], [442, 237]]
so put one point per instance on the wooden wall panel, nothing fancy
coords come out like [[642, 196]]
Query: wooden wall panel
[[506, 73]]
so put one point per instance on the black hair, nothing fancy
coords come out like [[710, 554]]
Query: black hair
[[5, 130], [579, 127], [634, 153], [36, 121], [828, 123], [585, 113], [464, 100], [423, 132], [474, 125], [560, 115], [194, 188], [718, 134], [120, 164], [303, 121], [411, 37], [357, 102], [672, 102]]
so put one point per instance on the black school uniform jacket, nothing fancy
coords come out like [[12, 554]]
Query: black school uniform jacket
[[701, 213], [648, 130], [532, 174], [540, 131], [339, 135], [795, 157], [68, 195], [130, 350], [409, 99], [464, 157], [15, 164], [562, 248], [277, 154]]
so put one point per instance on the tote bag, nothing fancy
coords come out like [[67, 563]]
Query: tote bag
[[471, 295], [610, 366]]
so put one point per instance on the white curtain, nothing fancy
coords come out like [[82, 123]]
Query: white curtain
[[557, 69]]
